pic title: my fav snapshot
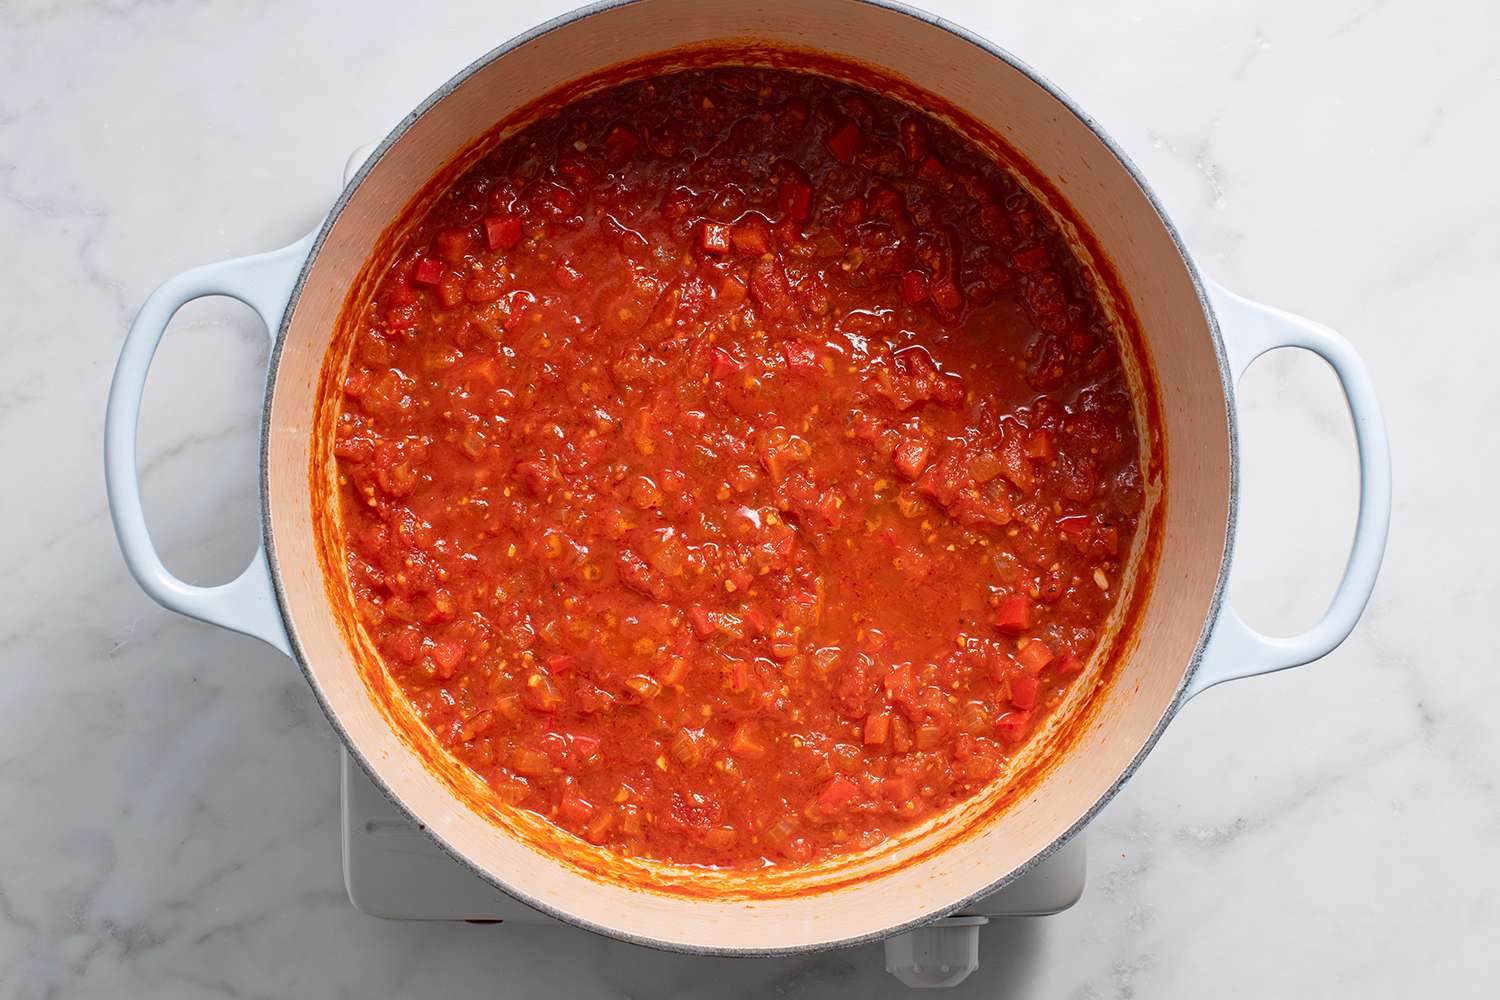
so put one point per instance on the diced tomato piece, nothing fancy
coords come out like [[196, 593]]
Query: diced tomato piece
[[502, 232], [886, 202], [643, 686], [1075, 525], [737, 676], [751, 236], [703, 622], [407, 644], [1013, 726], [745, 743], [645, 494], [398, 290], [1068, 665], [898, 788], [911, 456], [714, 238], [899, 682], [1023, 690], [1014, 464], [447, 655], [1109, 539], [355, 449], [801, 358], [402, 317], [914, 139], [844, 141], [753, 619], [396, 477], [1054, 586], [619, 143], [1039, 446], [837, 792], [722, 363], [913, 287], [779, 451], [850, 687], [573, 808], [598, 828], [852, 211], [487, 369], [558, 199], [932, 169], [783, 641], [429, 271], [1033, 258], [536, 475], [484, 286], [866, 427], [721, 837], [1013, 614], [795, 199], [584, 745], [450, 291], [567, 275], [452, 242], [945, 294], [877, 727], [732, 290], [768, 286], [577, 169], [1035, 655], [794, 113], [357, 381], [830, 508]]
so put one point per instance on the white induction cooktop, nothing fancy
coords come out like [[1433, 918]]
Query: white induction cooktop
[[393, 869]]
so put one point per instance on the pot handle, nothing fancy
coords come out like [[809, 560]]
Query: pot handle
[[1235, 649], [246, 604]]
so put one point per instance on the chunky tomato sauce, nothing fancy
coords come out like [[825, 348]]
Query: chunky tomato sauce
[[735, 468]]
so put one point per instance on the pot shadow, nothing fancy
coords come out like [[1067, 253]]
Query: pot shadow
[[1008, 951], [564, 961]]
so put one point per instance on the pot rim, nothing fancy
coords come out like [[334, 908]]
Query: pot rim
[[1215, 603]]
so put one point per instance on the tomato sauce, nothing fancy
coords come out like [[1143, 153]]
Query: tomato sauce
[[735, 468]]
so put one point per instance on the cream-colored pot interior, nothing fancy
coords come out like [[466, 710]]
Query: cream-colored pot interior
[[1160, 288]]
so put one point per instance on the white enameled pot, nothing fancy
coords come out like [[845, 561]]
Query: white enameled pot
[[1198, 340]]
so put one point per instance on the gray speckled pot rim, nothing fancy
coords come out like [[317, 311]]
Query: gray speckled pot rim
[[550, 909]]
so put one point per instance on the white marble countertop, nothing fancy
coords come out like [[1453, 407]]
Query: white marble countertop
[[168, 792]]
